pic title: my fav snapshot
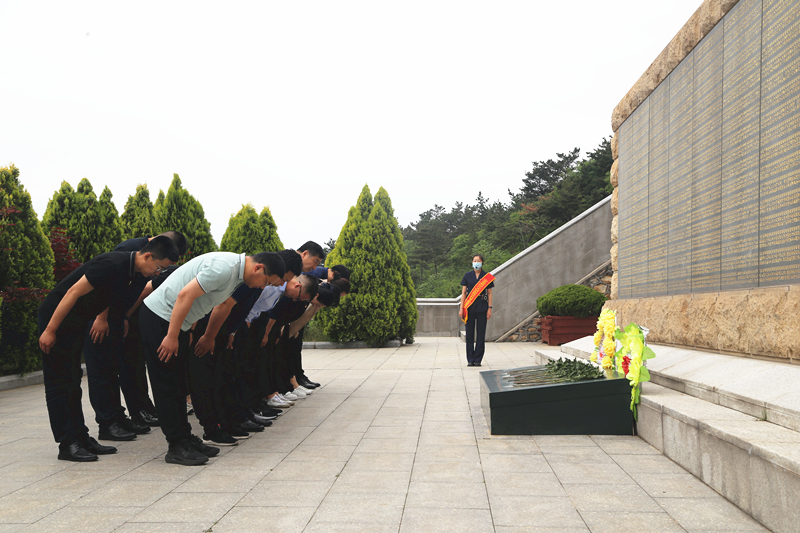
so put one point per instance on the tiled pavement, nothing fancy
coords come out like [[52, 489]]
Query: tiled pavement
[[395, 440]]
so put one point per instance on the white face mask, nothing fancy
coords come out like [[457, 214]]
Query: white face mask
[[476, 265]]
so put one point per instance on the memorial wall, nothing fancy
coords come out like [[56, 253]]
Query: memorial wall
[[707, 184]]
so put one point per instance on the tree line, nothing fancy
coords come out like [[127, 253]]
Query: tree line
[[78, 225], [441, 243]]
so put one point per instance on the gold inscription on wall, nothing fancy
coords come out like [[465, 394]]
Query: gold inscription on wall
[[679, 236], [740, 120], [779, 211], [709, 181], [706, 162]]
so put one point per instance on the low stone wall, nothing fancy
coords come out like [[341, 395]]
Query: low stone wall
[[761, 322], [438, 317]]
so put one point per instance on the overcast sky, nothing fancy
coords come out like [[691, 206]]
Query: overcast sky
[[297, 105]]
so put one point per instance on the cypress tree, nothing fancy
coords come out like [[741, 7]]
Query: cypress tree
[[180, 211], [408, 295], [137, 219], [336, 322], [244, 234], [373, 310], [272, 243], [26, 271], [158, 209], [92, 224]]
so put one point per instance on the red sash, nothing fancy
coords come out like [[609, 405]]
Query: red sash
[[476, 291]]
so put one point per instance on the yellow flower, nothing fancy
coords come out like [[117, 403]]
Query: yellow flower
[[634, 369], [609, 346], [593, 358], [597, 337], [607, 363]]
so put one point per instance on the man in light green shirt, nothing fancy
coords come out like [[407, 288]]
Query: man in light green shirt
[[166, 317]]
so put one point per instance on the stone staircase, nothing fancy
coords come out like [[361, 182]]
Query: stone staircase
[[733, 422]]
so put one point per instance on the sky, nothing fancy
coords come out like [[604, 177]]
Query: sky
[[298, 105]]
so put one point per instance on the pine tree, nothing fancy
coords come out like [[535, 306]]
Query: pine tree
[[92, 224], [336, 321], [158, 210], [137, 219], [408, 296], [272, 243], [26, 271], [180, 211]]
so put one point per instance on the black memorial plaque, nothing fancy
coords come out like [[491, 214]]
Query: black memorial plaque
[[706, 162], [637, 206], [658, 192], [625, 149], [779, 192], [596, 407], [679, 237], [740, 133]]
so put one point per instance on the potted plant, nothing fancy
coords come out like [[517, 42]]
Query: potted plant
[[570, 312]]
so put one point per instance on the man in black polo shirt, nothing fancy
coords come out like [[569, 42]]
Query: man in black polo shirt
[[114, 362], [63, 316]]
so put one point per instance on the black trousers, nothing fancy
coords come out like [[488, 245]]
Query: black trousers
[[62, 381], [202, 383], [256, 382], [133, 373], [279, 356], [476, 343], [167, 379], [103, 373]]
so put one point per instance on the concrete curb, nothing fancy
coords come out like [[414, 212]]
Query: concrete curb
[[347, 345], [16, 381]]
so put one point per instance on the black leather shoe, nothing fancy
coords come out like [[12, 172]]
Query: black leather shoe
[[116, 432], [91, 445], [184, 454], [76, 452], [131, 426], [145, 418], [470, 364], [477, 364], [308, 384], [202, 447]]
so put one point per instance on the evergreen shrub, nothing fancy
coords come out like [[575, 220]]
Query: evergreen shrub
[[571, 300]]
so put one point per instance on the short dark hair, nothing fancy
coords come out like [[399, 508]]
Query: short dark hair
[[478, 255], [292, 261], [309, 285], [343, 284], [328, 295], [340, 271], [179, 240], [314, 249], [162, 247], [272, 263]]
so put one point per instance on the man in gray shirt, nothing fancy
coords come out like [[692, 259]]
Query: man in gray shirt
[[166, 318]]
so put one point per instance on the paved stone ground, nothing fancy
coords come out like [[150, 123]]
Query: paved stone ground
[[394, 441]]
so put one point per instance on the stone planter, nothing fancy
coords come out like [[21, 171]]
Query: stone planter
[[560, 329], [596, 407]]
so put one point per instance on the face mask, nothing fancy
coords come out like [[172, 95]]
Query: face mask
[[477, 265]]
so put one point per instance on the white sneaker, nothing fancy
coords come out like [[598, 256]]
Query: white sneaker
[[305, 390], [291, 396], [285, 399], [300, 394], [277, 403]]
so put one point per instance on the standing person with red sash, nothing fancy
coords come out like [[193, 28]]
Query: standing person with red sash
[[476, 308]]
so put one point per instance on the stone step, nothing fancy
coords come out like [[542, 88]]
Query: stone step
[[767, 390], [752, 462]]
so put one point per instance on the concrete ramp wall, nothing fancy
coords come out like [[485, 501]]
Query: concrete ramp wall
[[565, 256]]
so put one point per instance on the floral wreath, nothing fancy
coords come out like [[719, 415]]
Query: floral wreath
[[629, 358]]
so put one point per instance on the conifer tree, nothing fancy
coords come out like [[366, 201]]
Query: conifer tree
[[244, 234], [158, 209], [372, 312], [408, 296], [336, 321], [180, 211], [137, 219], [26, 270], [272, 243], [92, 224]]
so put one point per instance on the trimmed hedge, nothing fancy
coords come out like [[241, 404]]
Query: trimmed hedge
[[571, 300]]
